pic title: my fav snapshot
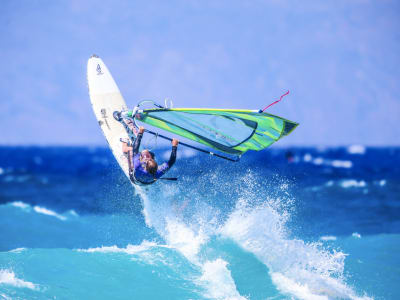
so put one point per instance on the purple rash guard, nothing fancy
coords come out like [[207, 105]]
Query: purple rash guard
[[140, 172]]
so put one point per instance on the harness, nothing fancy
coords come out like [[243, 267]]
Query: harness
[[137, 181]]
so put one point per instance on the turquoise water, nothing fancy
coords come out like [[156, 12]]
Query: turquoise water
[[304, 224]]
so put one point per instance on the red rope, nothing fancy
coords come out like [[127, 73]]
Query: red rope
[[287, 93]]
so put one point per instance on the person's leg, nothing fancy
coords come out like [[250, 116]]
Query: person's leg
[[126, 148], [130, 126]]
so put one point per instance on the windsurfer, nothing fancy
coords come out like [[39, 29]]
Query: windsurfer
[[143, 168]]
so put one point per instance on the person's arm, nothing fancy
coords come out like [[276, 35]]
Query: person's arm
[[167, 165], [136, 145], [172, 157]]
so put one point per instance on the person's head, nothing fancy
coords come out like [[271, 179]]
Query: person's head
[[145, 156], [151, 166]]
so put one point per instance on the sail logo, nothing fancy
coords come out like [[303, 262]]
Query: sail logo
[[218, 136], [98, 69]]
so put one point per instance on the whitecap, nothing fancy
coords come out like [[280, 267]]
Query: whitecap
[[20, 204], [342, 164], [356, 235], [8, 277], [188, 239], [184, 239], [142, 251], [298, 269], [130, 249], [1, 171], [17, 250], [219, 281], [307, 157], [328, 238], [48, 212], [318, 161], [353, 183], [320, 289], [356, 149]]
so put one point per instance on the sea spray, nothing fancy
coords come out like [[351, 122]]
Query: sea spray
[[299, 269], [258, 224], [167, 218]]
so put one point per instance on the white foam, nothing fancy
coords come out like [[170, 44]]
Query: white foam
[[319, 289], [8, 277], [216, 277], [146, 204], [288, 286], [1, 171], [41, 210], [382, 182], [356, 149], [48, 212], [20, 204], [353, 183], [184, 239], [307, 157], [356, 235], [298, 269], [17, 250], [342, 164], [318, 161], [219, 282], [188, 238], [147, 252], [130, 249], [328, 238]]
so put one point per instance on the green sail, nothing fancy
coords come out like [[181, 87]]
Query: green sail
[[229, 131]]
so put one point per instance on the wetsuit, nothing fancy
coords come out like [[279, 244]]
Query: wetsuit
[[140, 175]]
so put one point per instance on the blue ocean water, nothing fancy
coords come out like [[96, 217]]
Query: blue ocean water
[[298, 223]]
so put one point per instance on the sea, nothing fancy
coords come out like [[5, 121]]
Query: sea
[[283, 223]]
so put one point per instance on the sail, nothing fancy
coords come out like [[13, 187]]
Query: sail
[[229, 131]]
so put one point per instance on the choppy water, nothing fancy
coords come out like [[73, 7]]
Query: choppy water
[[300, 223]]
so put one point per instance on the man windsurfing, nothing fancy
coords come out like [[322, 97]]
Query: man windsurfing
[[143, 169]]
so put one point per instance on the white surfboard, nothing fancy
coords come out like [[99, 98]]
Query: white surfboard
[[106, 98]]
